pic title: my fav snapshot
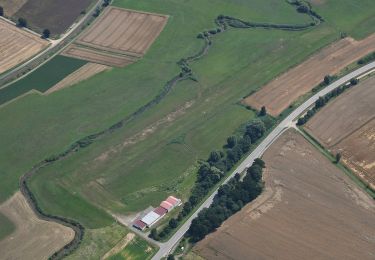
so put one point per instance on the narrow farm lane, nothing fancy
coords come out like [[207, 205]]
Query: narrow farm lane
[[287, 123]]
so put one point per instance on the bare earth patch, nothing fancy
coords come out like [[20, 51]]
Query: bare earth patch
[[11, 6], [17, 45], [347, 125], [310, 210], [33, 238], [85, 72], [118, 32], [282, 91]]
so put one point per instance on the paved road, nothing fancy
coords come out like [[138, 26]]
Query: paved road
[[288, 122], [44, 56]]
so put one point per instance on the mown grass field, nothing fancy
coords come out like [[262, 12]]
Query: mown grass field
[[6, 226], [97, 242], [42, 78], [132, 176]]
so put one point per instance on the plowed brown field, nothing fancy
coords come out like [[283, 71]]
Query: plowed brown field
[[118, 37], [11, 6], [33, 238], [347, 125], [17, 45], [282, 91], [310, 210]]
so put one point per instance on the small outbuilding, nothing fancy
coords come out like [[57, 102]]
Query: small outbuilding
[[139, 224]]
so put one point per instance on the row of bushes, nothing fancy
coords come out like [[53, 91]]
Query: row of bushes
[[231, 197], [215, 168], [368, 58], [322, 101]]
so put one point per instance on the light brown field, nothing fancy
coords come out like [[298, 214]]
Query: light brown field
[[118, 33], [17, 45], [347, 125], [310, 210], [282, 91], [33, 238], [97, 56], [11, 6], [85, 72]]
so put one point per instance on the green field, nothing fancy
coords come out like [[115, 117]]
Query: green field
[[152, 156], [6, 226], [98, 242], [42, 78]]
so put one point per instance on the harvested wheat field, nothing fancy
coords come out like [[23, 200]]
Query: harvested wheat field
[[97, 56], [347, 125], [282, 91], [17, 45], [83, 73], [11, 6], [120, 33], [309, 210], [33, 238]]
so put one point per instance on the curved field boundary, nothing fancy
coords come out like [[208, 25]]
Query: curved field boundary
[[223, 23]]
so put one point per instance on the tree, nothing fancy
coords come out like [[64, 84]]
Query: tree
[[263, 111], [255, 129], [153, 234], [22, 22], [46, 33], [338, 157], [173, 223], [260, 162], [232, 141], [214, 156], [327, 79], [1, 11]]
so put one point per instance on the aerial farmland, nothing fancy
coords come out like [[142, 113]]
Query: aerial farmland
[[346, 126], [57, 16], [307, 205], [121, 104], [17, 45]]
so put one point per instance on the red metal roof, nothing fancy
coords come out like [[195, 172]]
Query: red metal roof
[[139, 224], [160, 211], [174, 201], [165, 204]]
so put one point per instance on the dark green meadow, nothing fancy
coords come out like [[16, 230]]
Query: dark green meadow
[[42, 78]]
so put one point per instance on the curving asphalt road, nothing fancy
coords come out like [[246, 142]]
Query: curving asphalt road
[[288, 122]]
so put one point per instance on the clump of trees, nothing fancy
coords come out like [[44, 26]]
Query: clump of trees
[[322, 101], [46, 33], [214, 169], [231, 197], [21, 22]]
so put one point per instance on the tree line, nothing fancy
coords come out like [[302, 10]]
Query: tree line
[[322, 101], [231, 197], [216, 166]]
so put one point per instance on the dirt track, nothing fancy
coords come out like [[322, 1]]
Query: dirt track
[[282, 91], [33, 238], [17, 45], [85, 72], [310, 210], [347, 125]]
